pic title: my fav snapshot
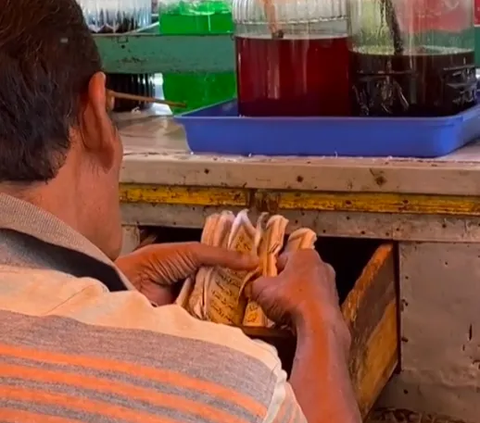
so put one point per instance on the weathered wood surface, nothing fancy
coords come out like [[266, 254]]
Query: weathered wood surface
[[387, 226], [371, 310], [274, 201], [156, 153]]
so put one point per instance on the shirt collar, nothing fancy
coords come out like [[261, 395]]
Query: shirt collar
[[24, 217]]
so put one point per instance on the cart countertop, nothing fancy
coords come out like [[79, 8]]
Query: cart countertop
[[156, 153]]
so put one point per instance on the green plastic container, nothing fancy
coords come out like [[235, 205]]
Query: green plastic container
[[194, 17]]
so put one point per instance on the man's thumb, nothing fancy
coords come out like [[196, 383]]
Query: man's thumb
[[253, 289]]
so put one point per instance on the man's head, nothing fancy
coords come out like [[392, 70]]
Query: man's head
[[58, 146]]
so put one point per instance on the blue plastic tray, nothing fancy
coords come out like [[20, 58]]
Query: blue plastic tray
[[219, 129]]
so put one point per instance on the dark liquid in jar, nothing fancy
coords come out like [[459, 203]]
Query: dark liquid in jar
[[421, 85], [292, 77], [138, 84]]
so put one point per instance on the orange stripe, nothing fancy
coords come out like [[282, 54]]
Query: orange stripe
[[156, 398], [282, 412], [14, 416], [80, 404], [135, 370], [294, 415], [294, 406]]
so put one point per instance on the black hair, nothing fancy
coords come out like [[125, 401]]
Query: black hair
[[47, 57]]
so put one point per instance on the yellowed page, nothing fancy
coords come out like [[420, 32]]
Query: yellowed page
[[215, 232], [189, 287], [270, 247], [301, 239], [220, 239], [224, 304]]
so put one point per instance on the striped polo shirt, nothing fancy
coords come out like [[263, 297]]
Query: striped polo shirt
[[79, 344]]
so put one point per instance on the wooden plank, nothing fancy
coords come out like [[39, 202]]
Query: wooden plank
[[276, 200], [179, 195], [386, 226], [371, 310], [156, 152], [163, 159]]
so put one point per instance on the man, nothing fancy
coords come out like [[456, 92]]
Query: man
[[80, 341]]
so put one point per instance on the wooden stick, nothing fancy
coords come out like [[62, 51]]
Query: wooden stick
[[393, 26], [271, 14], [144, 99]]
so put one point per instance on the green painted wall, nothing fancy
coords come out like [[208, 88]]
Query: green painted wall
[[150, 52]]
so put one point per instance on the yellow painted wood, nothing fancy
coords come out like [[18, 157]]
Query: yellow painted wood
[[371, 311], [381, 203], [180, 195], [379, 361], [295, 200]]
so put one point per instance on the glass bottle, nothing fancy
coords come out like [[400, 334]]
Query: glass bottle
[[196, 17], [292, 57], [120, 16], [412, 57]]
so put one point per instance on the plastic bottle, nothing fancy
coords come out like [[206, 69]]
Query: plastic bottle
[[196, 17]]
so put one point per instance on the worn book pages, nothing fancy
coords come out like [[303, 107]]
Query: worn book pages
[[224, 304], [192, 290], [185, 292], [216, 294], [270, 246], [220, 239], [301, 239], [216, 232]]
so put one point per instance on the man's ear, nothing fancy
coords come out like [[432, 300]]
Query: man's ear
[[97, 130]]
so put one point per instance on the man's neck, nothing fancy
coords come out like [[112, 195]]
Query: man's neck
[[34, 238], [49, 196]]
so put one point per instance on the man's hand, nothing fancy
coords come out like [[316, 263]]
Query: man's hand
[[304, 295], [155, 268], [304, 290]]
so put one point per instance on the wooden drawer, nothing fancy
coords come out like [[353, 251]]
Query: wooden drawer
[[370, 309]]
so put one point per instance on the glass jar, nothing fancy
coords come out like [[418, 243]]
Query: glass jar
[[120, 16], [116, 16], [292, 57], [412, 57]]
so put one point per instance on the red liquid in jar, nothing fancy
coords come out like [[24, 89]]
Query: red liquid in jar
[[292, 77]]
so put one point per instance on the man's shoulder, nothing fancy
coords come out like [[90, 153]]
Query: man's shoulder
[[77, 322], [88, 301]]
